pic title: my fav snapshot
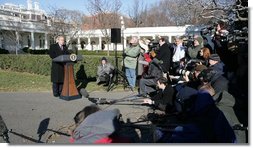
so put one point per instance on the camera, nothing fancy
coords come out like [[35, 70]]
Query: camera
[[188, 41], [153, 45], [208, 30], [189, 66]]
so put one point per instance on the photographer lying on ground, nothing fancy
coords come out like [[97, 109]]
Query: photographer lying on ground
[[99, 126]]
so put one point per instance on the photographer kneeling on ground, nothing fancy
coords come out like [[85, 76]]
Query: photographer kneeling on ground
[[104, 72], [163, 100], [148, 81], [192, 79]]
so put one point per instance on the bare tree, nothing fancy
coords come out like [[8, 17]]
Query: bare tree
[[14, 34], [105, 15], [65, 22], [135, 11]]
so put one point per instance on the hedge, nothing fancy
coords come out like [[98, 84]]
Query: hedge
[[3, 51], [41, 64], [81, 52]]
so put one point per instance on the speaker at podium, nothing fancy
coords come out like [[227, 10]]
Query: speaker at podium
[[69, 90]]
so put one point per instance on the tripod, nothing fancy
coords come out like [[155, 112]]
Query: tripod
[[114, 80]]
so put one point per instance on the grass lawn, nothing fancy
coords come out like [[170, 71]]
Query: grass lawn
[[16, 81], [22, 82]]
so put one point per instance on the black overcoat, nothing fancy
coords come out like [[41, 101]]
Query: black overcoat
[[164, 54], [57, 69]]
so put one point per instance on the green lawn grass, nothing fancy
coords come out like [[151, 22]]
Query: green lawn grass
[[16, 81], [11, 81]]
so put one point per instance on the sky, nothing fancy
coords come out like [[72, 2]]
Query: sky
[[74, 4]]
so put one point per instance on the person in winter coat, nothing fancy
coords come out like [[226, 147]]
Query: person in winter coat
[[164, 54], [57, 69], [164, 99], [130, 61], [203, 122], [105, 69], [148, 81], [97, 126], [198, 44]]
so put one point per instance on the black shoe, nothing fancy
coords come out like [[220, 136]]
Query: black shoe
[[56, 95]]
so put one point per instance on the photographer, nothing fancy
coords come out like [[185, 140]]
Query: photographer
[[201, 120], [216, 63], [104, 70], [215, 78], [94, 125], [148, 81], [164, 99], [130, 61], [192, 79], [197, 45], [164, 55], [220, 38]]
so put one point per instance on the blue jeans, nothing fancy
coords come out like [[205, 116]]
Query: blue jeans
[[131, 76]]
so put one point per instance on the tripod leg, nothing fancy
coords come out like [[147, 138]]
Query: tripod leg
[[126, 83]]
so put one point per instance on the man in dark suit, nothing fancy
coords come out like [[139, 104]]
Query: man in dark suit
[[57, 69], [164, 55], [164, 99]]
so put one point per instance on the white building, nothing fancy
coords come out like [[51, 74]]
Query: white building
[[27, 27]]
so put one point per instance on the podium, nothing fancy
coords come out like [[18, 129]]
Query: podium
[[69, 90]]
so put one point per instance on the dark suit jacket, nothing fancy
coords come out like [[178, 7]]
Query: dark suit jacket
[[57, 69], [165, 98], [164, 54]]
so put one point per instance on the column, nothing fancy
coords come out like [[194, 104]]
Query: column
[[89, 44], [100, 43], [78, 43], [32, 41], [46, 41], [1, 40], [124, 42], [17, 41], [169, 38]]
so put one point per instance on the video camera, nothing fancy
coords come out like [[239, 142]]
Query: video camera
[[238, 36], [153, 45], [188, 41], [208, 30]]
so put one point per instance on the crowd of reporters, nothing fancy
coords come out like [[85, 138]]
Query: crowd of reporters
[[189, 80]]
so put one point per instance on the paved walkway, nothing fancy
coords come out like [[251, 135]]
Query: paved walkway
[[23, 113]]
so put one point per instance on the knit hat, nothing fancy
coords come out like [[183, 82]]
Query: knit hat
[[215, 57], [199, 39], [103, 58], [200, 67]]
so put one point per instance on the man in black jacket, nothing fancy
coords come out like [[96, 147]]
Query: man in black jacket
[[164, 99], [57, 69], [164, 55], [148, 81]]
